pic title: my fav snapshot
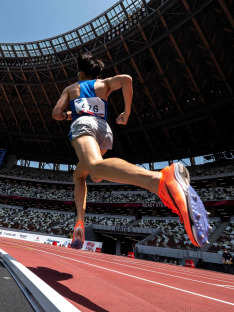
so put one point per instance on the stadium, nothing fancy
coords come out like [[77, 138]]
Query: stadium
[[180, 56]]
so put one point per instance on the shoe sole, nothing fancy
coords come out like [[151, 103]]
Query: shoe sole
[[77, 244], [198, 215]]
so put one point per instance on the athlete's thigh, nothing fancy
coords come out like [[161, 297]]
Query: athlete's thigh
[[87, 151]]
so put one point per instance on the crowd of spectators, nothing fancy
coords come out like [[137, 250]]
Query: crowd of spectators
[[211, 169], [40, 184], [115, 221], [36, 174], [66, 228], [218, 193], [121, 196], [52, 191], [52, 222], [65, 176], [32, 220], [148, 223], [35, 190], [8, 210], [225, 240], [171, 235]]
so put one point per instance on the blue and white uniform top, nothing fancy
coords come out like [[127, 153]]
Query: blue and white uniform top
[[88, 103]]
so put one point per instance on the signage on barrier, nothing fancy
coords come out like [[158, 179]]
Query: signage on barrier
[[124, 229], [44, 239]]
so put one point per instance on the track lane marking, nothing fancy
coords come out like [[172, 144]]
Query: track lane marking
[[156, 272], [19, 246], [86, 254], [139, 278]]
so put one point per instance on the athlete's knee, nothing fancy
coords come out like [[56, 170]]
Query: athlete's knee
[[79, 174], [77, 178], [95, 172]]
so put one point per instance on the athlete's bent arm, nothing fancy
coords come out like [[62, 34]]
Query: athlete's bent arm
[[124, 82], [58, 111]]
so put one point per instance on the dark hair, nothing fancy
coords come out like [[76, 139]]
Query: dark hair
[[91, 66]]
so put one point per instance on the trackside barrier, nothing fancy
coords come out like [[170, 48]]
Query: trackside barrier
[[189, 263], [43, 294], [44, 239], [131, 254]]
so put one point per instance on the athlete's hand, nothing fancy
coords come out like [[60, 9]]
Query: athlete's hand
[[122, 119], [69, 115]]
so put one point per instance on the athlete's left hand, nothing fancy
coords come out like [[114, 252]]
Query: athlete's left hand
[[122, 119]]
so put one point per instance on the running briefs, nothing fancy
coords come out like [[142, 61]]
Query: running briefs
[[96, 127]]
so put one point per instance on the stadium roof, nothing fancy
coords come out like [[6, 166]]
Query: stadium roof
[[180, 55]]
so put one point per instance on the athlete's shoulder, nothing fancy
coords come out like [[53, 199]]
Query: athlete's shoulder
[[71, 87], [116, 78]]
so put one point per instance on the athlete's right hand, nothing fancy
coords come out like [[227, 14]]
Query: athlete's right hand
[[122, 119]]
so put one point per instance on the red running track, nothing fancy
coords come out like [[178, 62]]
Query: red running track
[[101, 282]]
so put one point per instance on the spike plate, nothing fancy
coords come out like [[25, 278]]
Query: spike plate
[[199, 217], [77, 244]]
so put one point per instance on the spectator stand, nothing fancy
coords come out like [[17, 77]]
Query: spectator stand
[[33, 174], [8, 211], [64, 192], [112, 222], [35, 220], [173, 233], [172, 241], [225, 239], [212, 170]]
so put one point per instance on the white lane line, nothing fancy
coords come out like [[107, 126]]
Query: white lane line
[[139, 278], [218, 277], [169, 267], [156, 272], [225, 286], [175, 269]]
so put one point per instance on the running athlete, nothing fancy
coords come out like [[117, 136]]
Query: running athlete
[[91, 137]]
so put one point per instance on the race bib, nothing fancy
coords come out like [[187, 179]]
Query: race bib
[[93, 106]]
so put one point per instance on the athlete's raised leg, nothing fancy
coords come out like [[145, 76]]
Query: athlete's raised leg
[[172, 185]]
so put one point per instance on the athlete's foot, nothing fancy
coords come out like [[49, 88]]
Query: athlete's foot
[[78, 235], [177, 194]]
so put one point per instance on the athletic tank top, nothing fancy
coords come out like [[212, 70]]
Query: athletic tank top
[[88, 103]]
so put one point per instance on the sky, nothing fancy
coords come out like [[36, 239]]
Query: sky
[[32, 20]]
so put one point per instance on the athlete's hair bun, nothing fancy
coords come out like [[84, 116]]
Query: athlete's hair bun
[[90, 65]]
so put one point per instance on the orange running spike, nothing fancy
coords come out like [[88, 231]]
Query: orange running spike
[[77, 243], [177, 194]]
